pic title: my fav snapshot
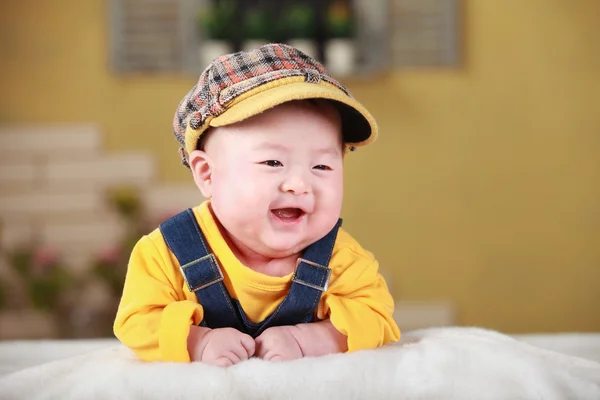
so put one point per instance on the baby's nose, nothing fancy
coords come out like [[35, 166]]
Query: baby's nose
[[296, 186]]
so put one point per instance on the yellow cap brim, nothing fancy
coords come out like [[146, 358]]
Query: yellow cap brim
[[358, 125]]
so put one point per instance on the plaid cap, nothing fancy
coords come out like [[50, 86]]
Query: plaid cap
[[239, 85]]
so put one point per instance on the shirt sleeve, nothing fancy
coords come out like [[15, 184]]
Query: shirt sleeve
[[154, 318], [360, 306]]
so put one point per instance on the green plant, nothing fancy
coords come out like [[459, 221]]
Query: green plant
[[126, 202], [2, 296], [299, 22], [339, 20], [217, 21], [258, 25], [110, 266], [43, 273]]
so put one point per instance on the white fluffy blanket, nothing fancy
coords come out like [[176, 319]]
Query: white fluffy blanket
[[444, 363]]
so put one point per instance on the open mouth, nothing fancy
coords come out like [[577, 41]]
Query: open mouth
[[288, 214]]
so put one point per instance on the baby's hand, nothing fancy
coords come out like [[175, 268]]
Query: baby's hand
[[278, 344], [224, 347]]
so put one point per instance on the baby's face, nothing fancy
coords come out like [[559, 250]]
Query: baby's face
[[277, 178]]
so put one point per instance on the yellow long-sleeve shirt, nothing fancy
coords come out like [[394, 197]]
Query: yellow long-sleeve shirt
[[157, 308]]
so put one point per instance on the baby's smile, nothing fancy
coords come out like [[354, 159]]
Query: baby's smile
[[288, 215]]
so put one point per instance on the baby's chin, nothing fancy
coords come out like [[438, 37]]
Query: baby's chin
[[279, 249], [280, 244]]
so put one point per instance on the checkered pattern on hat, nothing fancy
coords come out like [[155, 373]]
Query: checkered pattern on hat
[[231, 75]]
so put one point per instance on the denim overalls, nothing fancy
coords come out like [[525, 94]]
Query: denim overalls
[[204, 278]]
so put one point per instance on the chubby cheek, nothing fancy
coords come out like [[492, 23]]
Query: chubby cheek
[[331, 197], [247, 187], [238, 195]]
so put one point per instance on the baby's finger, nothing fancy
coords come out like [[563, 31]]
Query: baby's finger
[[231, 356], [237, 353], [269, 355], [223, 362], [259, 349], [248, 344]]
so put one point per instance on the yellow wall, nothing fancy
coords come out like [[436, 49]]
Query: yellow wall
[[484, 187]]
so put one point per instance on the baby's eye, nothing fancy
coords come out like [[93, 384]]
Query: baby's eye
[[272, 163], [322, 167]]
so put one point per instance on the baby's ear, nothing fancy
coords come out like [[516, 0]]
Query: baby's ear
[[201, 166]]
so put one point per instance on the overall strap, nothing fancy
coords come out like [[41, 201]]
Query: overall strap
[[200, 270], [309, 281]]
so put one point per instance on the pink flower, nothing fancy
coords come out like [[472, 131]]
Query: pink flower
[[45, 257], [110, 255]]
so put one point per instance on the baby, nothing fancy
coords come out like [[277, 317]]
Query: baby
[[262, 268]]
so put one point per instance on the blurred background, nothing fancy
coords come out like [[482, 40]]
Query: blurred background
[[481, 198]]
